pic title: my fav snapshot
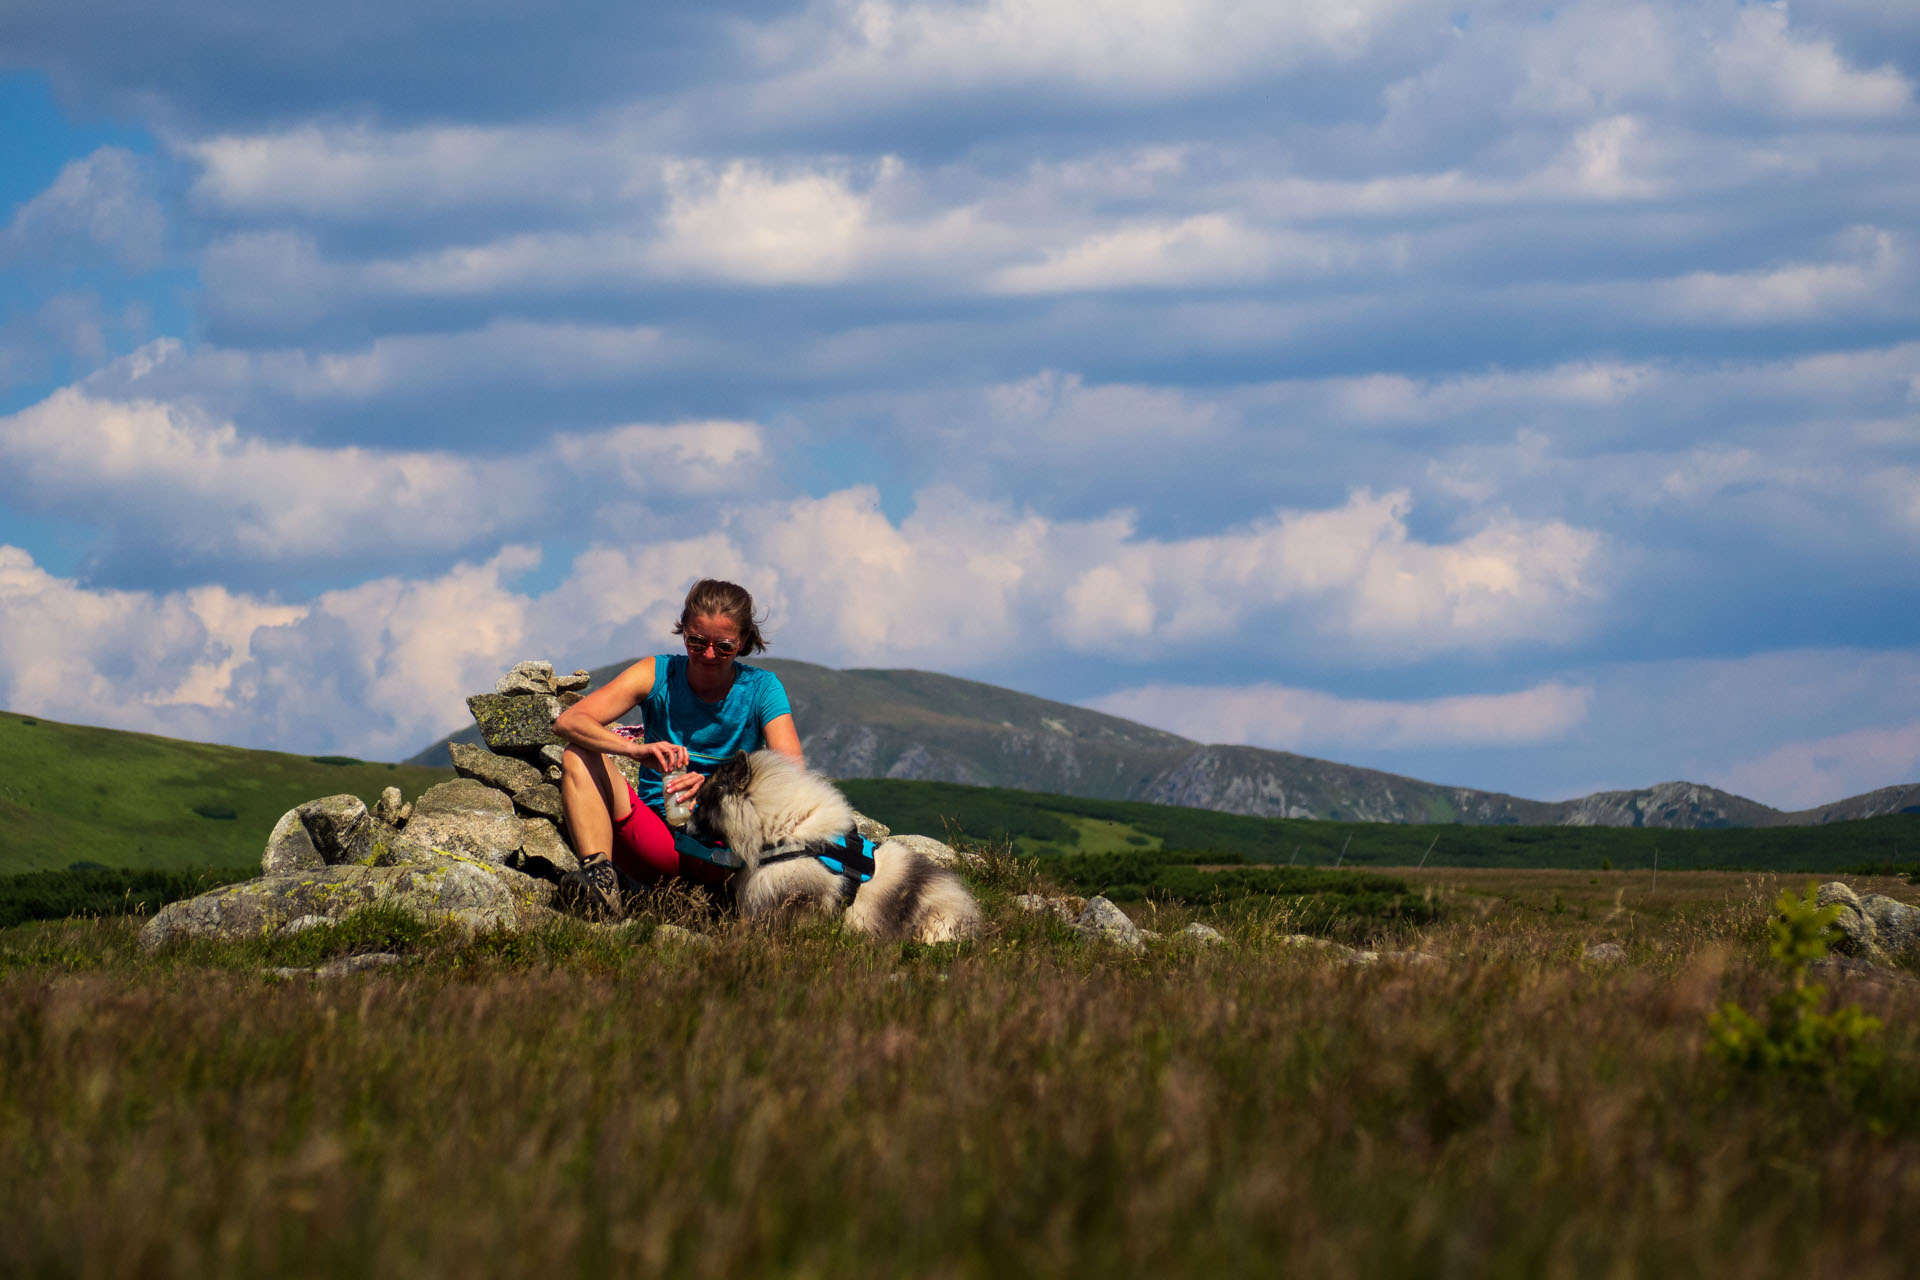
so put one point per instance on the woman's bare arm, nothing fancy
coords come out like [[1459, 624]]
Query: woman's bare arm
[[584, 724], [783, 737]]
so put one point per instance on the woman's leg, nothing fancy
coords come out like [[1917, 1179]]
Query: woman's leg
[[595, 797], [595, 800]]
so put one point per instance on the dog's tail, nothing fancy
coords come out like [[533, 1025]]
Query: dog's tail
[[911, 896]]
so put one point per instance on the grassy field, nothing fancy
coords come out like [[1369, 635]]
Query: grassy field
[[72, 793], [587, 1102], [1050, 824]]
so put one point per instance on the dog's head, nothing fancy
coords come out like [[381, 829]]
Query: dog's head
[[724, 811]]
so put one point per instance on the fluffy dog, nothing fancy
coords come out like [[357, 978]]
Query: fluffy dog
[[783, 819]]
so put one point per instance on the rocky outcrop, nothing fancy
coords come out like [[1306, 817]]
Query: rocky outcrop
[[452, 890], [1873, 926], [469, 817], [1104, 922], [1686, 805]]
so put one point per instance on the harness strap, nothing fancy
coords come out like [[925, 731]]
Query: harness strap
[[849, 856]]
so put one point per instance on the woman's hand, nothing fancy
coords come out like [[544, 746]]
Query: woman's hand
[[666, 756], [686, 784]]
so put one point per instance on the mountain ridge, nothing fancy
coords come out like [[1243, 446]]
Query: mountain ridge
[[868, 722]]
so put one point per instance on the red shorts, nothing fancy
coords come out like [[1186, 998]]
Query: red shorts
[[643, 849]]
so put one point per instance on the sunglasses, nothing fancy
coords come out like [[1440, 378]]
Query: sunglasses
[[700, 644]]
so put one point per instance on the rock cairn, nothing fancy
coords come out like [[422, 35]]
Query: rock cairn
[[481, 851]]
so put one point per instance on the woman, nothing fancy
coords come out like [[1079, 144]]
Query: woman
[[697, 709]]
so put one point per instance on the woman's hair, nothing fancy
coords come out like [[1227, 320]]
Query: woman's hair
[[710, 595]]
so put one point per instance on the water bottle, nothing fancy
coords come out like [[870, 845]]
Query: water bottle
[[676, 808]]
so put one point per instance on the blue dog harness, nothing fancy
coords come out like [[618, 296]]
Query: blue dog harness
[[849, 856]]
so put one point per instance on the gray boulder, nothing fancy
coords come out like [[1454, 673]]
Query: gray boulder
[[1896, 926], [341, 828], [575, 683], [1604, 953], [516, 724], [503, 773], [396, 849], [938, 851], [1856, 927], [290, 848], [452, 891], [539, 839], [1873, 927], [526, 678], [869, 829], [1104, 922], [542, 801], [392, 810], [1204, 935], [468, 817]]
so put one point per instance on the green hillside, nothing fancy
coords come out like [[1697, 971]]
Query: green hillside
[[1051, 824], [71, 793]]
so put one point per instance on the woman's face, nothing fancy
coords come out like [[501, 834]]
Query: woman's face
[[705, 632]]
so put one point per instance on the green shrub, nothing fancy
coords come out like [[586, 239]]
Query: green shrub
[[1796, 1038]]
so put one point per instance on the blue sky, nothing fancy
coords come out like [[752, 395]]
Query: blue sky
[[1517, 396]]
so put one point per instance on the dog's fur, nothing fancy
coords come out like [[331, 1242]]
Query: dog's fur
[[758, 802]]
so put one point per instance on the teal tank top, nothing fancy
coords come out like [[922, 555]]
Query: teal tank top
[[710, 731]]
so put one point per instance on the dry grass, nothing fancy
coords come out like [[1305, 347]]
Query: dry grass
[[794, 1103]]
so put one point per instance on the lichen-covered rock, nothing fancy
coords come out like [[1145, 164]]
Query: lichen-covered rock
[[392, 809], [503, 773], [542, 801], [450, 891], [1896, 926], [550, 756], [464, 816], [539, 839], [938, 851], [515, 724], [525, 678], [869, 829], [1202, 934], [1104, 922], [290, 848], [575, 683], [396, 849], [1604, 953], [1855, 925], [341, 828]]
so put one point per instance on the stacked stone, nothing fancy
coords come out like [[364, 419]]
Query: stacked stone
[[464, 851], [520, 764]]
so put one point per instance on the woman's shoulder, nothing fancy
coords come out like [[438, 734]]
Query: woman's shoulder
[[755, 677], [666, 672]]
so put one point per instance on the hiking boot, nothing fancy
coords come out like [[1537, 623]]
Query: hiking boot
[[593, 890]]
